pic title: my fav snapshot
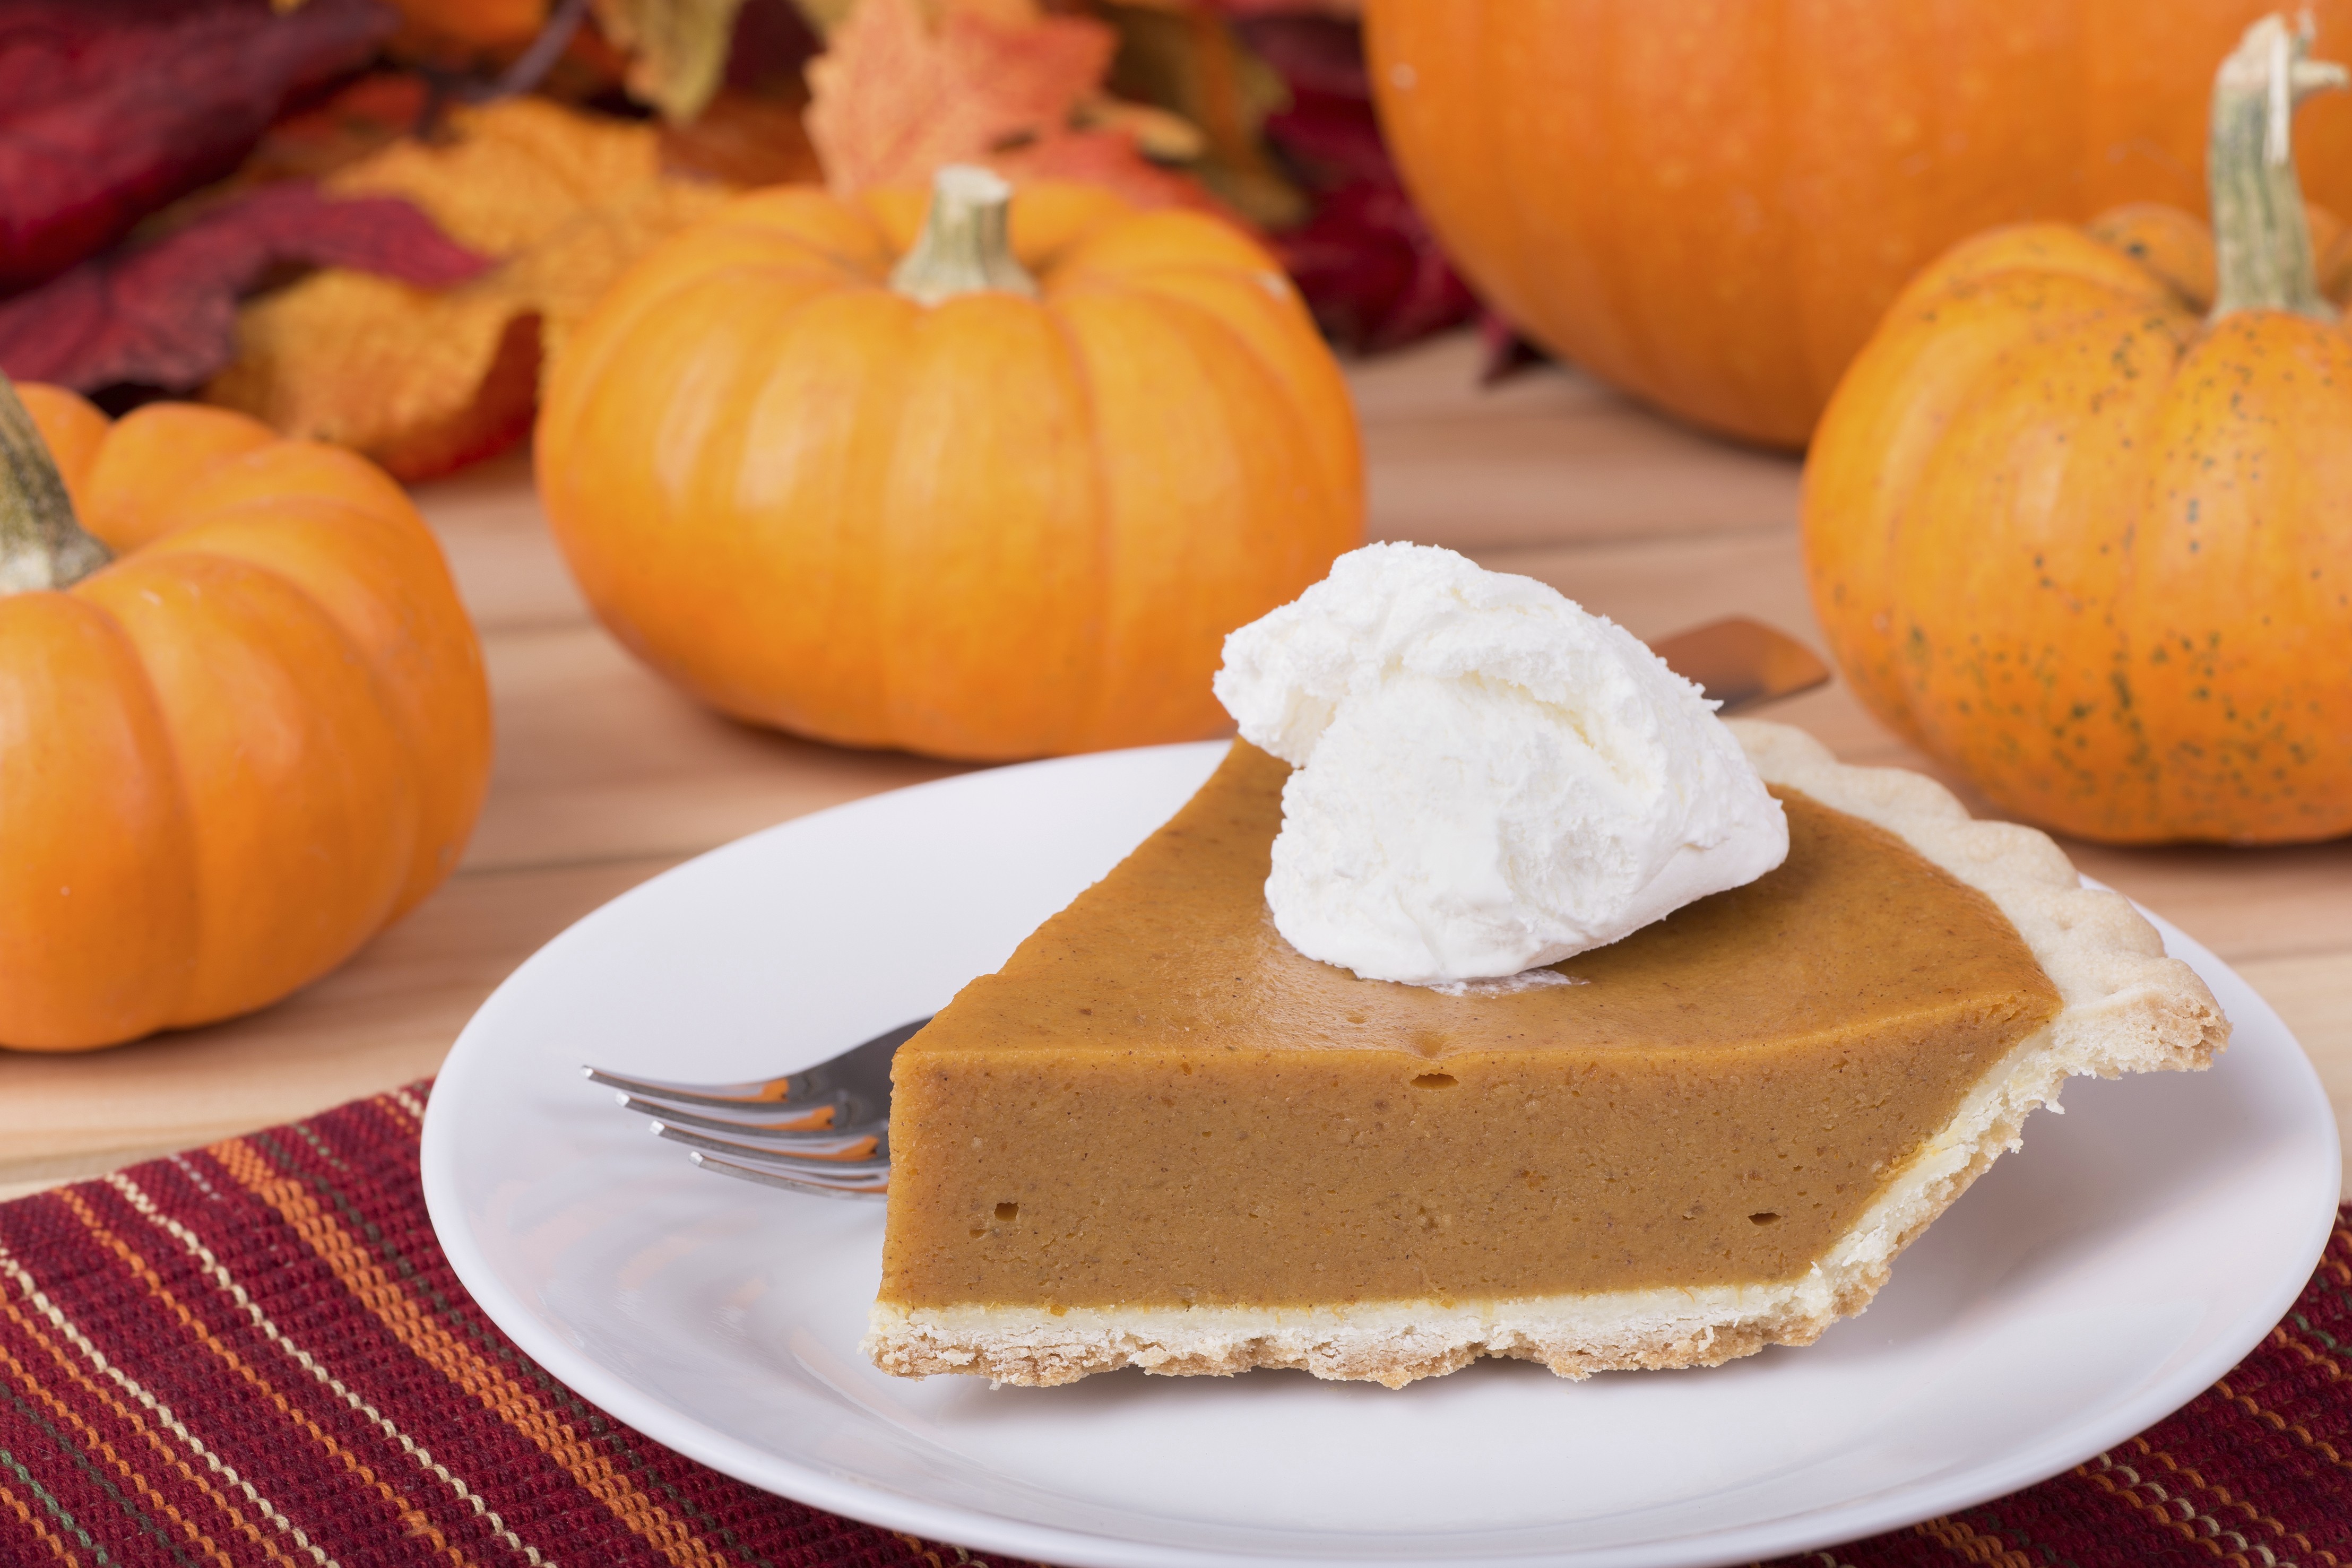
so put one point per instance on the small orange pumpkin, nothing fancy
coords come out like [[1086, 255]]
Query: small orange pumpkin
[[996, 494], [240, 749], [2090, 542]]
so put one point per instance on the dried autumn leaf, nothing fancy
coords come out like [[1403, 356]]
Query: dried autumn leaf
[[1006, 15], [1329, 131], [1105, 158], [1504, 351], [894, 96], [892, 99], [741, 140], [1155, 132], [512, 173], [1185, 60], [676, 49], [824, 15], [482, 24], [363, 117], [423, 381], [107, 114], [1372, 271], [773, 42], [1347, 10], [1369, 267], [164, 314]]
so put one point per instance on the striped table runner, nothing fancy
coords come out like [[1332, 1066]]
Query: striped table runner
[[255, 1353]]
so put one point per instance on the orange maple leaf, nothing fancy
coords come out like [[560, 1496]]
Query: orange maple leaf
[[426, 380], [893, 98], [1106, 158]]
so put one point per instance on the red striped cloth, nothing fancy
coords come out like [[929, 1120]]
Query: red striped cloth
[[255, 1353]]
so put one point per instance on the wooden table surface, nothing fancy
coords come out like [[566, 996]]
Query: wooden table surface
[[605, 775]]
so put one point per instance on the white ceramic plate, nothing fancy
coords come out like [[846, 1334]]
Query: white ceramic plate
[[2083, 1289]]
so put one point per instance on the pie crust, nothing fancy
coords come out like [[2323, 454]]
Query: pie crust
[[2127, 1007]]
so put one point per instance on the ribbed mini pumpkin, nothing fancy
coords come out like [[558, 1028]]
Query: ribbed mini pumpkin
[[998, 491], [237, 751], [2091, 542]]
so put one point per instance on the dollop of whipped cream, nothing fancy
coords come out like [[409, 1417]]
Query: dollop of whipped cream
[[1488, 778]]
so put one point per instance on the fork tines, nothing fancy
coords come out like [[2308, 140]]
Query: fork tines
[[874, 1187], [824, 1130]]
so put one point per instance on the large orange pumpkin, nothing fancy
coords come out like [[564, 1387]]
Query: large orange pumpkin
[[233, 755], [916, 499], [1710, 205], [2093, 544]]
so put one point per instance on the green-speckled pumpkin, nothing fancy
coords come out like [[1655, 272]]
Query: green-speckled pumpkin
[[2090, 541]]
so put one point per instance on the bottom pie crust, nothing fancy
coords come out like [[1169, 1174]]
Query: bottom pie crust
[[2127, 1008]]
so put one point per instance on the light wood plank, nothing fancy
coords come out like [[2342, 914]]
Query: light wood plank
[[507, 569], [1548, 458], [599, 757]]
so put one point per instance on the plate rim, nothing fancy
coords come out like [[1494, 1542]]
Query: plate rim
[[883, 1507]]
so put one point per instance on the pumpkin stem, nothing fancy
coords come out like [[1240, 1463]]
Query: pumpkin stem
[[964, 248], [2261, 236], [42, 545]]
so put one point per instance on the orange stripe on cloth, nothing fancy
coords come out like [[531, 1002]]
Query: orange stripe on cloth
[[2330, 1264], [964, 1559], [32, 1330], [2200, 1525], [24, 1511], [2278, 1423], [1973, 1545], [2192, 1478], [54, 1315], [413, 1519], [250, 1303], [97, 1443], [404, 1111], [2327, 1365], [458, 1362]]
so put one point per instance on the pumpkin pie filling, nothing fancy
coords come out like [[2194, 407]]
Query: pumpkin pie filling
[[1159, 1112]]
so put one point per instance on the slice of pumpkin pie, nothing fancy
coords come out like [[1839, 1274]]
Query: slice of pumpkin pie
[[1162, 1137], [1706, 1120]]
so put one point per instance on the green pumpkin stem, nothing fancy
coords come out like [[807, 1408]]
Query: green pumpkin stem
[[2261, 240], [42, 544], [965, 247]]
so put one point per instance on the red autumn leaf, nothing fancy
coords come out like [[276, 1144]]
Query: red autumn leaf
[[366, 114], [774, 41], [1367, 263], [1330, 131], [1372, 271], [108, 111], [1504, 351], [164, 314]]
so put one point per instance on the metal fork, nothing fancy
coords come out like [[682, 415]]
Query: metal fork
[[827, 1130], [823, 1130]]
